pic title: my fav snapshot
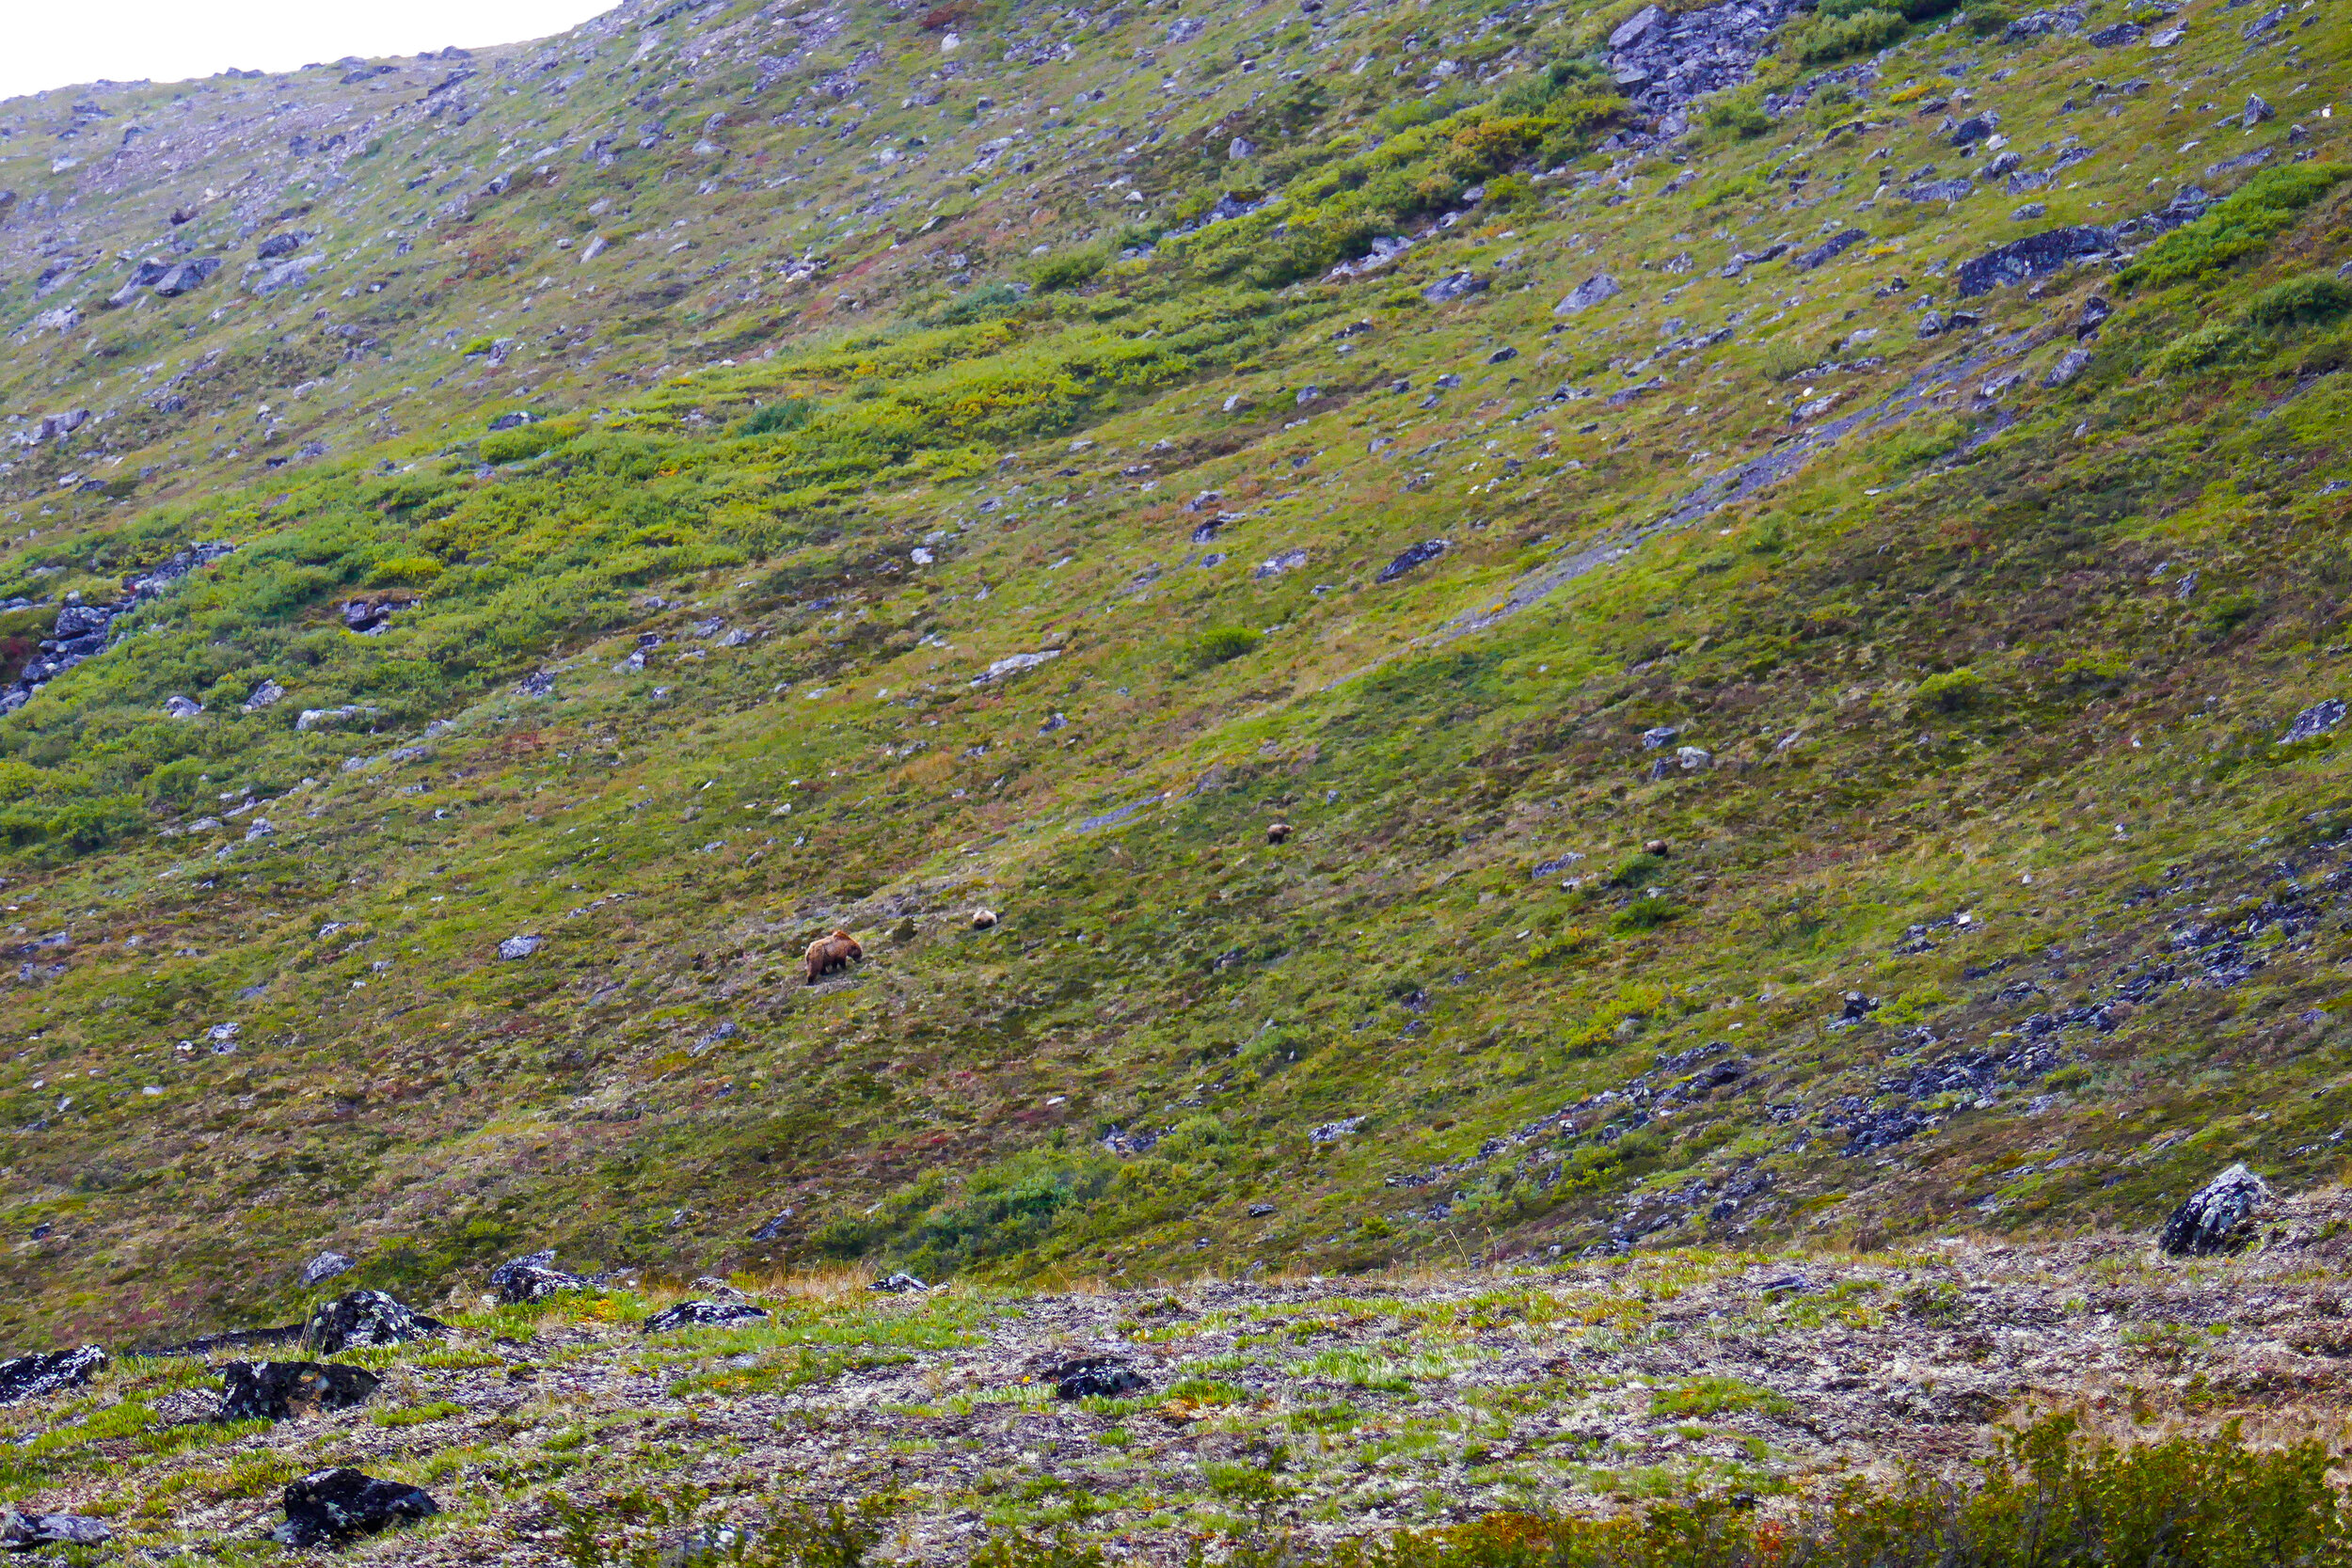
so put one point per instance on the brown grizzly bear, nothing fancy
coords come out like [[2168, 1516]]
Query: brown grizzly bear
[[1277, 831], [827, 954]]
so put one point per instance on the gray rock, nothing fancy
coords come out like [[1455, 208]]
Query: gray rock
[[520, 946], [182, 708], [2034, 255], [1412, 556], [2256, 112], [263, 696], [363, 1318], [1094, 1377], [1975, 128], [524, 1281], [1638, 27], [1240, 147], [2071, 364], [1836, 244], [186, 276], [24, 1377], [293, 274], [331, 1507], [278, 246], [2116, 34], [898, 1284], [23, 1531], [326, 1265], [702, 1314], [1455, 285], [2065, 23], [2316, 719], [1660, 735], [1588, 293], [283, 1390], [2215, 1217]]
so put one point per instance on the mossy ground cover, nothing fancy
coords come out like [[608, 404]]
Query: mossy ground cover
[[678, 681]]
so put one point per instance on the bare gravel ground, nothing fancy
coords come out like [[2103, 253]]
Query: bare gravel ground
[[1323, 1406]]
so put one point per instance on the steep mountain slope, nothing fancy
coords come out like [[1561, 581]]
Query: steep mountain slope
[[1775, 624]]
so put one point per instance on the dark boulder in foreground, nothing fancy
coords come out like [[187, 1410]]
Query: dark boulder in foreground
[[1095, 1377], [281, 1391], [329, 1507], [703, 1314], [2216, 1216], [366, 1318], [45, 1371]]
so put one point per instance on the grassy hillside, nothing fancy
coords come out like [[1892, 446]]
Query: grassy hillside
[[1757, 767]]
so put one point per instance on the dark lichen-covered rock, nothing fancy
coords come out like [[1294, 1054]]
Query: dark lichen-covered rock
[[281, 1391], [2032, 256], [1094, 1377], [2218, 1216], [366, 1318], [24, 1377], [327, 1507], [523, 1280], [1836, 245], [703, 1314]]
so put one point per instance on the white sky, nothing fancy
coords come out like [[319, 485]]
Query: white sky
[[52, 44]]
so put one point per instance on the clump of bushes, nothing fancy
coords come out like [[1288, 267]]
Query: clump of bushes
[[775, 418], [2239, 226], [1220, 645], [2314, 299], [1832, 33], [2052, 1496], [1952, 691]]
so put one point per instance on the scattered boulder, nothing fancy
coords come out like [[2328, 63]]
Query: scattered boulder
[[2116, 35], [1836, 245], [366, 1318], [898, 1284], [23, 1531], [276, 246], [2034, 255], [178, 706], [520, 946], [2071, 364], [703, 1314], [2316, 719], [1588, 293], [329, 1507], [1412, 556], [1094, 1377], [186, 276], [522, 1280], [2256, 112], [2216, 1217], [282, 1390], [265, 695], [1455, 285], [24, 1377], [326, 1265]]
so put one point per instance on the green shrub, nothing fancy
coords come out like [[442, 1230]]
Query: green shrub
[[529, 440], [1985, 21], [2231, 611], [1221, 645], [405, 571], [2048, 1498], [1067, 269], [1824, 39], [1712, 1396], [1952, 691], [1785, 360], [2314, 299], [1638, 870], [2201, 349], [1739, 113], [1648, 913], [2240, 226], [773, 419]]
